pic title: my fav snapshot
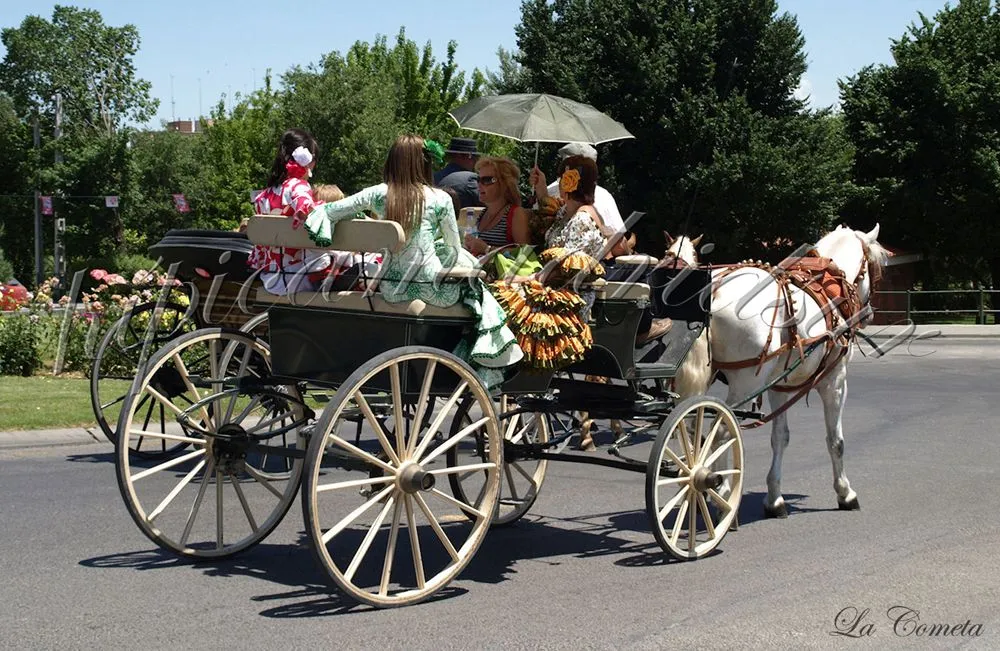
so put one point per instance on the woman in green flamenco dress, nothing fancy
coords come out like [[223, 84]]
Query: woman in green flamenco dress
[[427, 217]]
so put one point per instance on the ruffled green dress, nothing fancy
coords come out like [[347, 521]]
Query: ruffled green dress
[[410, 274]]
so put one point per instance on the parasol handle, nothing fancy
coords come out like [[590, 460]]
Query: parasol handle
[[536, 154]]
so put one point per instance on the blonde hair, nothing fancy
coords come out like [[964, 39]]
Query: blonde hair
[[507, 175], [407, 170], [327, 192]]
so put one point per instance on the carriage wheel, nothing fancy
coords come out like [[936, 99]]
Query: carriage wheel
[[379, 524], [694, 480], [118, 359], [215, 495], [520, 480]]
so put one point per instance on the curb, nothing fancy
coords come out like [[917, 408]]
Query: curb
[[23, 439], [926, 332]]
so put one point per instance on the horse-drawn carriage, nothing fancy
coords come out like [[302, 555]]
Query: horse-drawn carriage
[[404, 458]]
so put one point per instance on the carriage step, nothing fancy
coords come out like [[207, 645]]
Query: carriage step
[[650, 371]]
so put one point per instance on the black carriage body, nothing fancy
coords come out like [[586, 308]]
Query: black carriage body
[[324, 345]]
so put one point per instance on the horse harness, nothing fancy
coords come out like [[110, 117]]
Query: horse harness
[[839, 302]]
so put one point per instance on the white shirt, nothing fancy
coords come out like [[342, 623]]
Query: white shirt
[[604, 204]]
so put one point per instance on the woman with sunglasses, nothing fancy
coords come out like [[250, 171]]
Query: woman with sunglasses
[[503, 221]]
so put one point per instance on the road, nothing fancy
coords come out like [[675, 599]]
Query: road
[[581, 570]]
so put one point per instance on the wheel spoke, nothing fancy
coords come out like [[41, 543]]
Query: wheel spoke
[[376, 426], [454, 440], [523, 473], [458, 503], [435, 525], [113, 402], [669, 506], [239, 373], [177, 410], [433, 429], [672, 480], [219, 532], [677, 460], [177, 489], [710, 439], [370, 458], [190, 387], [699, 421], [411, 526], [243, 502], [167, 464], [397, 409], [356, 513], [359, 556], [719, 500], [682, 435], [692, 520], [706, 516], [719, 452], [169, 437], [264, 481], [510, 481], [390, 552], [418, 418], [471, 468], [354, 483], [679, 522], [193, 513]]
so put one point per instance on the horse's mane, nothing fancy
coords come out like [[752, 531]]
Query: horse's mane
[[875, 253]]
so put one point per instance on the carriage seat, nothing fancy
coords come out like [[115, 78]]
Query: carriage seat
[[358, 235]]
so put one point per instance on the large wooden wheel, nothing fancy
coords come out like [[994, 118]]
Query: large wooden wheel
[[694, 480], [377, 519], [212, 492], [520, 479]]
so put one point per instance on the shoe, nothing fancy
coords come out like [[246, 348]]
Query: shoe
[[659, 328]]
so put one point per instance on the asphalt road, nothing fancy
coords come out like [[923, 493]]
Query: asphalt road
[[582, 569]]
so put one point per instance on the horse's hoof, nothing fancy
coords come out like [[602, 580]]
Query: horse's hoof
[[780, 511], [849, 505], [587, 445]]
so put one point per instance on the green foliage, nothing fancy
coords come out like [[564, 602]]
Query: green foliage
[[19, 342], [6, 268], [88, 62], [706, 86], [927, 133]]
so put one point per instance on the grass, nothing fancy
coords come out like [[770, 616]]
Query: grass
[[44, 402]]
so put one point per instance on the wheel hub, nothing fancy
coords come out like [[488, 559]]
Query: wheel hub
[[229, 448], [413, 478], [703, 479]]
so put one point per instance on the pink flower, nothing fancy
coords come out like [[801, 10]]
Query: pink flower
[[114, 279], [141, 277], [98, 274]]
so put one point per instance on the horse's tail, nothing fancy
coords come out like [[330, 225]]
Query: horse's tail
[[695, 373]]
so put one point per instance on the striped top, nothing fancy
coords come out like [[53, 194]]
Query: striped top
[[502, 232]]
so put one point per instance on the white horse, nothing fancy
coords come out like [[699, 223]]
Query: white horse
[[744, 324]]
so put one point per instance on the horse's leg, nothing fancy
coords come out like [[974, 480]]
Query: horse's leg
[[833, 392], [774, 503]]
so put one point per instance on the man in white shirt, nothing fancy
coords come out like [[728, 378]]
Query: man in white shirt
[[604, 203]]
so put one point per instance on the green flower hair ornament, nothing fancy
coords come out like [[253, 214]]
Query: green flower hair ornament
[[434, 151]]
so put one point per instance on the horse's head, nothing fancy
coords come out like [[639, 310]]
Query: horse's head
[[860, 257], [683, 248]]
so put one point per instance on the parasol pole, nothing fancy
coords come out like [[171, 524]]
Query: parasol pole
[[536, 153]]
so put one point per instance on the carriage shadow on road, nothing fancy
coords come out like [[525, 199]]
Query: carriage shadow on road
[[553, 541], [93, 457]]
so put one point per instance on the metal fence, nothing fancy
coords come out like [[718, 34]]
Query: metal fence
[[944, 303]]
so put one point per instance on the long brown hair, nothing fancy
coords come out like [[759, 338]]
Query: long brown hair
[[407, 170]]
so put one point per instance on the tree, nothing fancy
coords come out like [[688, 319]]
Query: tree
[[90, 65], [357, 103], [927, 134], [707, 87], [87, 62], [16, 210]]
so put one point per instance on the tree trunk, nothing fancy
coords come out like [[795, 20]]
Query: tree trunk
[[994, 299]]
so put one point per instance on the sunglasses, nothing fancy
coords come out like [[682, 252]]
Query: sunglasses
[[487, 180]]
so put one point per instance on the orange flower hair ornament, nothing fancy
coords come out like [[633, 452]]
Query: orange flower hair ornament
[[569, 181]]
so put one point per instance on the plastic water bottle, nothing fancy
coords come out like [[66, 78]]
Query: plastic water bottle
[[471, 221]]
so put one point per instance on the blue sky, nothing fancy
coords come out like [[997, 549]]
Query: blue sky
[[214, 47]]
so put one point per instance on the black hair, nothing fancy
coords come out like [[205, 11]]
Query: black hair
[[290, 141]]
